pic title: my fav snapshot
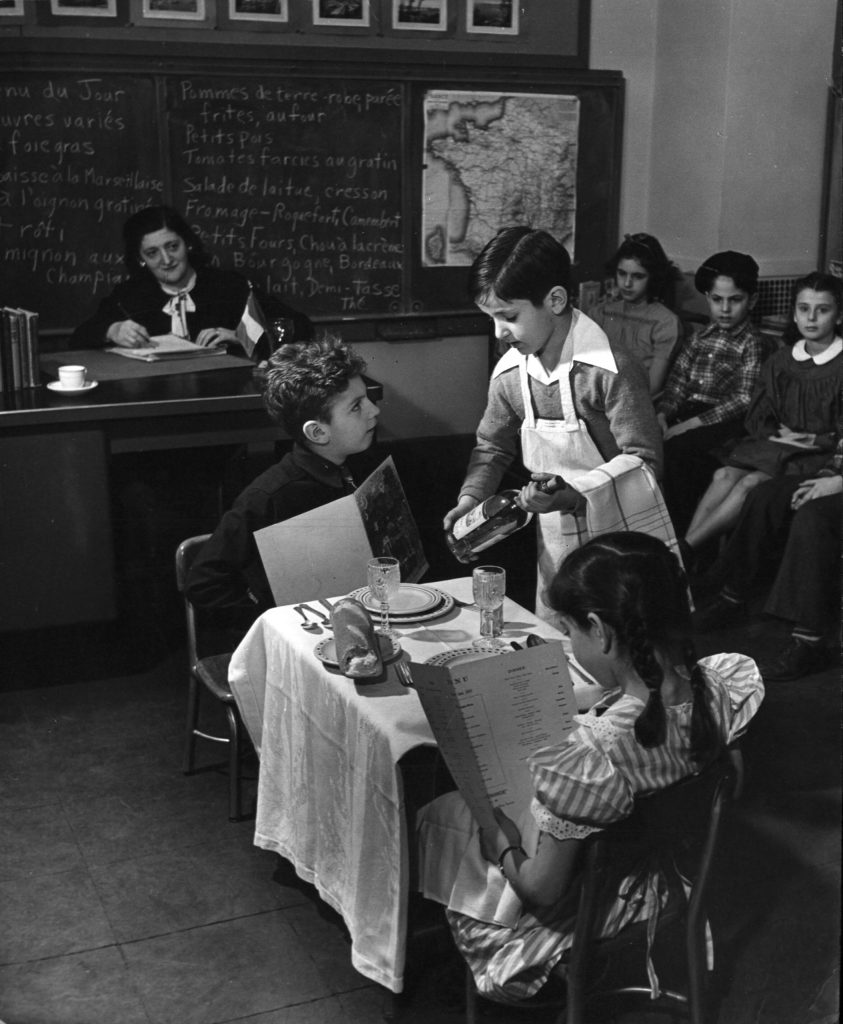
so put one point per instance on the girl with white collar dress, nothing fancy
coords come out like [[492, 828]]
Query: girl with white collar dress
[[792, 418]]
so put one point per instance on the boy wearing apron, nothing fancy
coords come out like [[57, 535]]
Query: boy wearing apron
[[570, 400]]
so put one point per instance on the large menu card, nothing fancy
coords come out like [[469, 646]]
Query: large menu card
[[490, 714], [323, 553]]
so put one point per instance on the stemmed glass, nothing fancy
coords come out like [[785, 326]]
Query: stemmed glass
[[489, 584], [384, 577]]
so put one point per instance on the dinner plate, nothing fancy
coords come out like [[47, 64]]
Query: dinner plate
[[56, 385], [459, 656], [326, 650], [441, 604], [411, 599]]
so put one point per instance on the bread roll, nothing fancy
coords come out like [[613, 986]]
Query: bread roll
[[358, 653]]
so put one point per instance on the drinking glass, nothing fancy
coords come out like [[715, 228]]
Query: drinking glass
[[489, 582], [384, 577]]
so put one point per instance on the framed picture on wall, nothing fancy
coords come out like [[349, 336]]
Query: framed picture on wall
[[86, 8], [492, 17], [11, 9], [420, 15], [174, 10], [257, 14], [64, 13], [342, 13]]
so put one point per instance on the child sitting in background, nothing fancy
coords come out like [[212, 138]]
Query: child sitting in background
[[639, 314], [317, 393], [710, 384], [792, 419], [664, 715]]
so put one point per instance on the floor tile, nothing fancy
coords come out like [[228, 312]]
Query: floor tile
[[88, 988], [224, 971], [36, 840], [50, 915], [177, 890], [118, 828]]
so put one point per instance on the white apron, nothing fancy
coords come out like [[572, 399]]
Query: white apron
[[562, 447]]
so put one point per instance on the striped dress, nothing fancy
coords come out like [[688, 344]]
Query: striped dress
[[582, 785]]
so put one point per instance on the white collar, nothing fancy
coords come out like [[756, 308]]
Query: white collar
[[590, 345], [802, 355]]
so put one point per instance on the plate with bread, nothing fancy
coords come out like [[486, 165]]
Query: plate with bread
[[356, 649], [413, 603], [326, 650]]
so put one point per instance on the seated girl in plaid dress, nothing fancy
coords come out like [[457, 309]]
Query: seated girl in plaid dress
[[511, 890]]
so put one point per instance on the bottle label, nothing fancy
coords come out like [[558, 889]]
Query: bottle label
[[470, 521]]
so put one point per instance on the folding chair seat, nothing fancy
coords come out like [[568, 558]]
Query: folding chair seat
[[678, 829], [209, 673]]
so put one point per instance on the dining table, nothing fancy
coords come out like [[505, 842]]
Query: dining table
[[331, 791]]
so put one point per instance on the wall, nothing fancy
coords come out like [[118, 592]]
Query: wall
[[725, 123]]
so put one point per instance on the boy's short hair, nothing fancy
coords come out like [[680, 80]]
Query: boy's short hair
[[299, 382], [742, 269], [519, 263]]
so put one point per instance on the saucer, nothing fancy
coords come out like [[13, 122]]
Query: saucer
[[56, 385]]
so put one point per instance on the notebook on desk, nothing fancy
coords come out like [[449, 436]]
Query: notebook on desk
[[167, 346]]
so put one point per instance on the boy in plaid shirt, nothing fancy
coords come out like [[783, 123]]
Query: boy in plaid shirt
[[709, 386]]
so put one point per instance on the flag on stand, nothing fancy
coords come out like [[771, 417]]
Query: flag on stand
[[252, 326]]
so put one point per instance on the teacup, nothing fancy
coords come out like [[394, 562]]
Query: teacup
[[72, 376]]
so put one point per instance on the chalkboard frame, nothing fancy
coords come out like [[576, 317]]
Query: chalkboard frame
[[416, 73]]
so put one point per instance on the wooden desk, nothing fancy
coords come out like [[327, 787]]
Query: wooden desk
[[56, 538]]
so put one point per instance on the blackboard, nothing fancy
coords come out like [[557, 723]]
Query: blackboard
[[307, 176]]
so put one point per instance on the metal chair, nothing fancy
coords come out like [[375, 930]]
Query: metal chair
[[210, 672], [676, 828]]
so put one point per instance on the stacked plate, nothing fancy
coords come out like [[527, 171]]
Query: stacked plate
[[413, 603]]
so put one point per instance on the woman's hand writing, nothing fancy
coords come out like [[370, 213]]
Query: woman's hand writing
[[128, 334], [213, 337], [819, 487]]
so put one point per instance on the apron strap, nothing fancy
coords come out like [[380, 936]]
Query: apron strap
[[527, 398]]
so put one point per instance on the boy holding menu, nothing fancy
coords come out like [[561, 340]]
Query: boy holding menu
[[316, 391]]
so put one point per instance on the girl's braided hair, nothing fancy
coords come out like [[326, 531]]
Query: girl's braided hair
[[637, 586]]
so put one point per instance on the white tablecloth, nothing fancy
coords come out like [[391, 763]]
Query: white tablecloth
[[330, 795]]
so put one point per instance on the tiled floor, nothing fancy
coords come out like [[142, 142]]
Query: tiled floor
[[126, 896]]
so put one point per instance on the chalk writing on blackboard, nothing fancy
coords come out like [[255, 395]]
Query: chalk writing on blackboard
[[75, 162], [299, 184]]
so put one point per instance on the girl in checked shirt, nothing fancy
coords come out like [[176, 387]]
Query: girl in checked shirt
[[664, 715]]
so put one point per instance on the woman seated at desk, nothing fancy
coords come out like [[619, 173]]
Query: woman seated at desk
[[173, 289]]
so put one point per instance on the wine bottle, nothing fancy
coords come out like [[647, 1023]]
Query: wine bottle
[[487, 523], [492, 520]]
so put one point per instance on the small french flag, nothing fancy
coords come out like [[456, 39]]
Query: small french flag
[[252, 326]]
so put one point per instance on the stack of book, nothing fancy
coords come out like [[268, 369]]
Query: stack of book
[[18, 350]]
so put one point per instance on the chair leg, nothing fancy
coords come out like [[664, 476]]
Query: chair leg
[[470, 998], [233, 764], [192, 719]]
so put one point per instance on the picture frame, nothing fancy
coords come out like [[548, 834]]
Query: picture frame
[[342, 13], [83, 8], [93, 14], [174, 12], [492, 17], [257, 14], [11, 9], [419, 15]]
